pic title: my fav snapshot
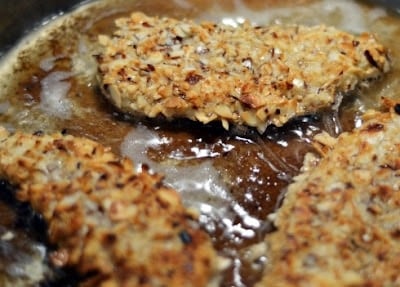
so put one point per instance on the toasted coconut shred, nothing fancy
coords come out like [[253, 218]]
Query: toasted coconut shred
[[245, 75], [116, 227], [339, 223]]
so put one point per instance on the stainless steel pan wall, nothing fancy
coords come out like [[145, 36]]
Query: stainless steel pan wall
[[17, 17]]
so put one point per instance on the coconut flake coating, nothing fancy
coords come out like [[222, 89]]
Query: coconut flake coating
[[115, 226], [243, 75], [339, 223]]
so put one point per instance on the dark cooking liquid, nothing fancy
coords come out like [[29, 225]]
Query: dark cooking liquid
[[249, 171]]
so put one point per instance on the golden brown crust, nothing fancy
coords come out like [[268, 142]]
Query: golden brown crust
[[125, 228], [247, 75], [339, 223]]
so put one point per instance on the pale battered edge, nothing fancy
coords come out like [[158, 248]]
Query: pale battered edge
[[248, 75], [121, 227], [339, 223]]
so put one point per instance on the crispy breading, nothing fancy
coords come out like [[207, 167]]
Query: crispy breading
[[339, 222], [114, 225], [242, 75]]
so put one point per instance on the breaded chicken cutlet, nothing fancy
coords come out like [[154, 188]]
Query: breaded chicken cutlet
[[243, 75], [113, 225], [340, 221]]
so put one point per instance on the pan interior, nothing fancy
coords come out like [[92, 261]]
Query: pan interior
[[235, 179]]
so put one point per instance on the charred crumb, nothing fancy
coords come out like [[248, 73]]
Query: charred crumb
[[185, 237], [374, 127], [193, 78], [371, 59], [397, 109]]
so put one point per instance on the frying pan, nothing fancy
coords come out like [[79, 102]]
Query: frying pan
[[18, 17]]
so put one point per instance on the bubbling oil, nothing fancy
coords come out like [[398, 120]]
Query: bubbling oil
[[234, 179]]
